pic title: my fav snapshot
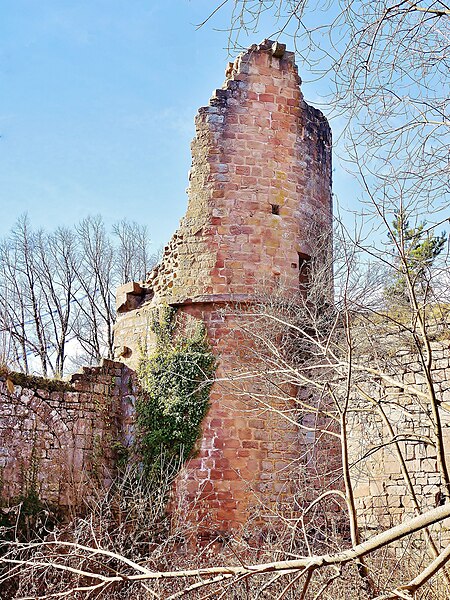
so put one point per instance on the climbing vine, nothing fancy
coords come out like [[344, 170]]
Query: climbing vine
[[176, 378]]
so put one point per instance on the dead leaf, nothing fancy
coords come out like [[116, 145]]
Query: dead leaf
[[10, 385]]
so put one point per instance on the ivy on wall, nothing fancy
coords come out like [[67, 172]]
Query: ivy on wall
[[176, 378]]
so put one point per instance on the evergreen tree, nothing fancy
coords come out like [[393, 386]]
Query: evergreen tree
[[417, 248]]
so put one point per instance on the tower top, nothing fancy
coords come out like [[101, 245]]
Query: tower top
[[259, 187]]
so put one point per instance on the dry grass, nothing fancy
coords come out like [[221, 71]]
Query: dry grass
[[129, 521]]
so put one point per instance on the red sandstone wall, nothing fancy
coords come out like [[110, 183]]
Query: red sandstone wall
[[247, 456], [62, 441], [257, 144], [259, 149]]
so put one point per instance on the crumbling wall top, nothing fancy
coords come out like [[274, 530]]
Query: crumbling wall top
[[259, 188]]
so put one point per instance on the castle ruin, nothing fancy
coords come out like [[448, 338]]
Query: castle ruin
[[259, 199], [259, 192]]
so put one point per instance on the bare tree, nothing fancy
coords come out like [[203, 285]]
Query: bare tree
[[134, 259], [56, 264], [94, 326], [103, 266], [24, 308], [346, 361], [12, 313], [59, 287], [384, 67]]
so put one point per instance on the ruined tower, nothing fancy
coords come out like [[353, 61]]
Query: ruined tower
[[259, 195]]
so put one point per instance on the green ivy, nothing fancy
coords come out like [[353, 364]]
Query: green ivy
[[176, 379]]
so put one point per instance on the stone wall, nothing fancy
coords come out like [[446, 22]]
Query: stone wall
[[259, 201], [382, 495], [60, 438]]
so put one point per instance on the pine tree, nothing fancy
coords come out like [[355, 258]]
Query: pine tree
[[416, 249]]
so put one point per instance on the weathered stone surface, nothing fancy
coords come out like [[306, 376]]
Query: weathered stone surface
[[61, 443], [259, 196], [130, 295], [382, 495]]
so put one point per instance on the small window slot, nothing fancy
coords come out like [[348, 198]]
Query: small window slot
[[304, 270], [275, 209]]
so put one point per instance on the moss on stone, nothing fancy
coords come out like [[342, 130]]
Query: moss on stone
[[35, 382]]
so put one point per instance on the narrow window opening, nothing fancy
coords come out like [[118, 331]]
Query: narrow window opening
[[275, 209], [304, 271]]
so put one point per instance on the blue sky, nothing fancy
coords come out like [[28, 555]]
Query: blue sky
[[97, 106]]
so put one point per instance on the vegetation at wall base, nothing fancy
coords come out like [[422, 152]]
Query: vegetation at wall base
[[176, 379], [27, 517]]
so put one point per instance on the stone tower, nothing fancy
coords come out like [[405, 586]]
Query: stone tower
[[259, 193]]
